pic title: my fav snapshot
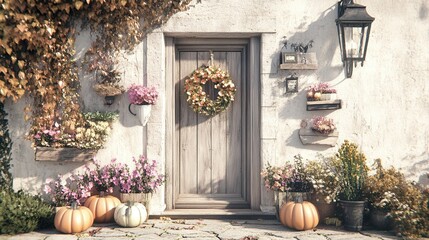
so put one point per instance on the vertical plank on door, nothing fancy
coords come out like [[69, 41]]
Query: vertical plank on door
[[219, 138], [188, 126], [234, 127], [204, 142]]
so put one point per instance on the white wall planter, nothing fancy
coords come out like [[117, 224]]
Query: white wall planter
[[328, 96], [142, 112]]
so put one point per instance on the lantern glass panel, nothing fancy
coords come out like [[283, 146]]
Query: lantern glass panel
[[355, 40]]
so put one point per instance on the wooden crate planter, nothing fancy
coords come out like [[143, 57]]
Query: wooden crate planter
[[308, 136], [64, 154], [324, 105]]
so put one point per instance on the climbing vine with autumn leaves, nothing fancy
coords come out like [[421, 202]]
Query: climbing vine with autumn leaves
[[37, 54]]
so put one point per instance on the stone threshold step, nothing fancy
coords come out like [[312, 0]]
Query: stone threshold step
[[214, 214]]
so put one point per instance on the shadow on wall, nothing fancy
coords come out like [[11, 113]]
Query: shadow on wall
[[418, 168], [324, 33], [423, 13]]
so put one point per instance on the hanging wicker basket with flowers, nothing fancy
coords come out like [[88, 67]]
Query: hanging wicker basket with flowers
[[199, 100]]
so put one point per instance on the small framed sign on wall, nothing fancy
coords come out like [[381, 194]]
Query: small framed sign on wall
[[289, 57], [292, 84]]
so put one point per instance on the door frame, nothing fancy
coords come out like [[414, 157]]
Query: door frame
[[253, 140]]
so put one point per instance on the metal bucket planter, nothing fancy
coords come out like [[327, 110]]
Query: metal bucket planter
[[353, 214]]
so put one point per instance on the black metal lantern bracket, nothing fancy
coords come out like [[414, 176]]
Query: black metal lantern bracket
[[354, 26]]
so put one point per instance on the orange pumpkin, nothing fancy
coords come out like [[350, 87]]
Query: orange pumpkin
[[299, 215], [102, 207], [73, 219]]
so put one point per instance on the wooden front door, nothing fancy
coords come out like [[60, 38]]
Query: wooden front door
[[212, 171]]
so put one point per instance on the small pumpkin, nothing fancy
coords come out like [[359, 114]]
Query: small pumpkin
[[299, 215], [130, 214], [102, 207], [73, 219]]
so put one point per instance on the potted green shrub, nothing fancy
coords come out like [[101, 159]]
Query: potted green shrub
[[352, 173]]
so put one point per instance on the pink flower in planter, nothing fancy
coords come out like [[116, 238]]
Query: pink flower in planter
[[141, 95]]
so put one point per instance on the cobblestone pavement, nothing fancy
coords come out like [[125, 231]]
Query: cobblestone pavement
[[204, 230]]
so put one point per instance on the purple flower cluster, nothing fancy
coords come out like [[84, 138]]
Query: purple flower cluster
[[141, 95], [144, 178], [73, 188], [48, 137], [104, 178]]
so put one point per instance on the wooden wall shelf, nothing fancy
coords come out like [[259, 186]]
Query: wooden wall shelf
[[50, 154], [298, 66], [308, 136], [324, 105], [304, 61]]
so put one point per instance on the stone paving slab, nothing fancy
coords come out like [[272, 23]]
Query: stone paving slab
[[205, 230]]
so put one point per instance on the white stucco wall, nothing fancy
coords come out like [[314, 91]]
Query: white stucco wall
[[385, 103]]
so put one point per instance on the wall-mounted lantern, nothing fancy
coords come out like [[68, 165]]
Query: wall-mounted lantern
[[292, 84], [354, 26]]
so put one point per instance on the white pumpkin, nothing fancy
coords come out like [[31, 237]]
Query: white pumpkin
[[130, 214]]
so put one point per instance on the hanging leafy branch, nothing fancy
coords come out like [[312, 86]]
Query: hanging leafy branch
[[37, 48], [5, 152]]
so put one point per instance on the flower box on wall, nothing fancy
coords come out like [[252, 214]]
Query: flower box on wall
[[308, 136], [64, 154]]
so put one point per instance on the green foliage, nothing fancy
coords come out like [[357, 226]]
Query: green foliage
[[5, 151], [351, 171], [20, 212], [101, 116]]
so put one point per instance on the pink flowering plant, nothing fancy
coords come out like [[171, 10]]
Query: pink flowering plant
[[104, 178], [322, 125], [144, 178], [64, 192], [319, 88], [48, 137], [288, 177], [141, 95], [276, 177]]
